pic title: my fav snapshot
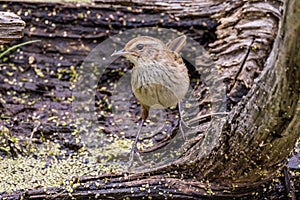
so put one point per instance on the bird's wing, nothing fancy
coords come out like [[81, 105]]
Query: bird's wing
[[177, 44]]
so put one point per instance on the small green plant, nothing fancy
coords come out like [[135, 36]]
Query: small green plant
[[17, 46]]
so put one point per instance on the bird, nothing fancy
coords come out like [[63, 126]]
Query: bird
[[159, 78]]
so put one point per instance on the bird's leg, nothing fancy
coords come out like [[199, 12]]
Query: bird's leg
[[145, 113], [181, 121], [134, 146]]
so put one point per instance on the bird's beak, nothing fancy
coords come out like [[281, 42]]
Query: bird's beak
[[121, 52]]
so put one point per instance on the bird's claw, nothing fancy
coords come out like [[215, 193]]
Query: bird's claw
[[133, 151], [181, 121], [181, 129]]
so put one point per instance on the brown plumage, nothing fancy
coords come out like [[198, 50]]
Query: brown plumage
[[159, 77]]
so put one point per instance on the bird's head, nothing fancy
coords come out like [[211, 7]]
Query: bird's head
[[143, 49]]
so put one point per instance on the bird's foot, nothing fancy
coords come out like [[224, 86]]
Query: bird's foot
[[181, 121], [133, 151]]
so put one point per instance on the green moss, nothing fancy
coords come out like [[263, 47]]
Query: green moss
[[50, 166]]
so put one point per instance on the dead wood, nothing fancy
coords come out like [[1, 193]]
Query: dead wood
[[11, 27]]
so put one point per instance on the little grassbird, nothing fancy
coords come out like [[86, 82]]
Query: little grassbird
[[159, 77]]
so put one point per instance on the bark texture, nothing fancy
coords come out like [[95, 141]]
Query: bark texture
[[11, 27]]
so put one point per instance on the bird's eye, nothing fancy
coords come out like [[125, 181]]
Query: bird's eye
[[140, 46]]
